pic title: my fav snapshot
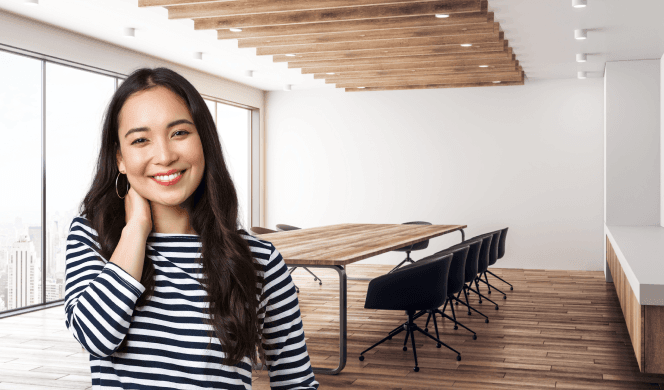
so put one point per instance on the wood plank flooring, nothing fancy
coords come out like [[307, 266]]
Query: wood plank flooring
[[557, 329]]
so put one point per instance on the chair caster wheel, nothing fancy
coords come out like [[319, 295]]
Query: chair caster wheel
[[480, 301], [361, 358], [474, 337], [489, 292], [416, 369], [486, 320], [511, 288], [456, 327], [458, 358], [405, 348], [504, 296], [456, 303], [438, 345], [496, 307], [469, 313], [320, 283]]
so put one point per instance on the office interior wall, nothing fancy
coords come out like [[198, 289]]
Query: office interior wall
[[525, 157]]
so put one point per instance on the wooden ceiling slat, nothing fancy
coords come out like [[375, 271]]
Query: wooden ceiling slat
[[451, 58], [364, 36], [419, 71], [380, 53], [163, 3], [454, 40], [348, 13], [435, 86], [422, 64], [244, 7], [426, 80], [495, 75], [348, 26]]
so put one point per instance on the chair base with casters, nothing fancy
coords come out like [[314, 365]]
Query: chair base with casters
[[489, 285], [404, 260], [467, 303], [410, 327], [432, 313], [480, 295], [499, 278]]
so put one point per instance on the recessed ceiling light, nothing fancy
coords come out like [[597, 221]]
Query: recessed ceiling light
[[579, 3], [484, 66], [582, 57], [329, 73], [198, 55], [288, 87], [361, 87], [249, 73], [582, 75], [581, 34], [129, 32], [31, 2], [496, 82], [291, 55], [442, 15], [466, 44], [235, 29]]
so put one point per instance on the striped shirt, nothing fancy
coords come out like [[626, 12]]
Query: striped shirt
[[167, 340]]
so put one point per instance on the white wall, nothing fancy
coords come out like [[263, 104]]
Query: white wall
[[661, 144], [633, 142], [525, 157]]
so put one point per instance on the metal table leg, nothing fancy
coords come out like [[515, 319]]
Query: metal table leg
[[343, 333]]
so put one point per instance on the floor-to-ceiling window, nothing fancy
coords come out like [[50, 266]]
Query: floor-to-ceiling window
[[50, 121]]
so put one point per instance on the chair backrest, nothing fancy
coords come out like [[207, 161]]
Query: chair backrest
[[485, 249], [417, 246], [501, 244], [456, 276], [474, 246], [493, 251], [418, 286], [260, 230], [284, 228]]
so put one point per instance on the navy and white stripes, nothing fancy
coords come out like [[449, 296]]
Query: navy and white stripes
[[168, 346]]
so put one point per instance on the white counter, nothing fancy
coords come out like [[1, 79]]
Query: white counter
[[640, 250]]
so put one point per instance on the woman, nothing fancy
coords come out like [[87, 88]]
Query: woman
[[162, 288]]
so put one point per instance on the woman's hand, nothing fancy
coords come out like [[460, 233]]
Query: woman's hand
[[138, 211]]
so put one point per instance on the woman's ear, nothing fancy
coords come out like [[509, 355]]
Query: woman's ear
[[121, 166]]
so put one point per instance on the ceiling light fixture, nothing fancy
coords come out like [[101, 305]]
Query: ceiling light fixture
[[582, 75], [129, 32], [329, 73], [484, 66], [198, 55], [442, 16], [466, 44], [579, 3], [288, 87], [235, 29], [581, 34], [31, 2], [581, 57], [496, 82], [291, 55], [361, 87], [249, 73]]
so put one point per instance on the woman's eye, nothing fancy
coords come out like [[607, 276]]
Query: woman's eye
[[179, 131]]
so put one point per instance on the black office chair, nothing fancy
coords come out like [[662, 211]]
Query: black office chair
[[285, 228], [493, 258], [486, 252], [455, 282], [501, 253], [474, 253], [415, 247], [414, 287], [260, 230]]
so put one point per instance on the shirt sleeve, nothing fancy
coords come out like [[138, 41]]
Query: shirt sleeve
[[283, 335], [99, 295]]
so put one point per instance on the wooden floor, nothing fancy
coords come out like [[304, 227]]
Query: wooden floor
[[557, 329]]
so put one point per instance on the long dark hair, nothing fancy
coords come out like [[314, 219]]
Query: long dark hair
[[229, 267]]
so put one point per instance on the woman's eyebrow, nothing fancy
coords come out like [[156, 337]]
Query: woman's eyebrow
[[174, 123]]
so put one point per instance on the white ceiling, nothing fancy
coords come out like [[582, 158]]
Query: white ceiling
[[541, 32]]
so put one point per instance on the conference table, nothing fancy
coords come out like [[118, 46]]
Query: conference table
[[337, 246]]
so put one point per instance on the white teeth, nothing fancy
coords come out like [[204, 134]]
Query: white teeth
[[168, 178]]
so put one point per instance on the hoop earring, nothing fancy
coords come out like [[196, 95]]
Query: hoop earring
[[116, 187]]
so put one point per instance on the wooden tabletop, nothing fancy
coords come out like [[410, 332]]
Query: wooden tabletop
[[349, 242]]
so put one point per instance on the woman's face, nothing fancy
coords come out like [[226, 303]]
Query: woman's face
[[157, 135]]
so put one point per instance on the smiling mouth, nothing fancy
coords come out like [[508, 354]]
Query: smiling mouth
[[169, 179]]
